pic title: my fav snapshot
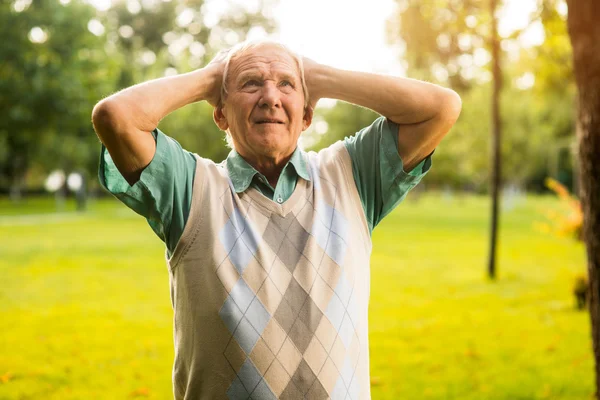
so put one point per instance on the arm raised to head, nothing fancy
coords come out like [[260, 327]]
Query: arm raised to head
[[424, 112], [123, 121]]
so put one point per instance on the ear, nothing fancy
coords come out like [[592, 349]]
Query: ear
[[308, 116], [220, 118]]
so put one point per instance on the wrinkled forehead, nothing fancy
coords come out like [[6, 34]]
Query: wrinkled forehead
[[264, 59]]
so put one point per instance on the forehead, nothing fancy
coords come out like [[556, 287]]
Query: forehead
[[264, 60]]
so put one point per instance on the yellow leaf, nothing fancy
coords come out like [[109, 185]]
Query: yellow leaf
[[6, 377], [375, 381], [141, 392]]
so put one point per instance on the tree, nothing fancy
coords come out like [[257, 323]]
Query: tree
[[444, 41], [496, 171], [47, 75], [52, 73], [584, 31]]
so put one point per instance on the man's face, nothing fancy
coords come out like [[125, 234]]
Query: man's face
[[264, 108]]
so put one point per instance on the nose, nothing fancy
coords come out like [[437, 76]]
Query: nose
[[270, 96]]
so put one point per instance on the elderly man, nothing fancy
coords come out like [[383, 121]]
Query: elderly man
[[268, 252]]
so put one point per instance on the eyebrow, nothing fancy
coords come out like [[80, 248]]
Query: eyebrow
[[259, 76], [249, 75]]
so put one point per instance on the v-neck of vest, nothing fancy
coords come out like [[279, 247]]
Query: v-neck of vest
[[284, 208]]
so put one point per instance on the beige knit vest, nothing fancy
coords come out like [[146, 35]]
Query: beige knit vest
[[270, 300]]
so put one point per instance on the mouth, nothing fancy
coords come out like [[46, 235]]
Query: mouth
[[268, 121]]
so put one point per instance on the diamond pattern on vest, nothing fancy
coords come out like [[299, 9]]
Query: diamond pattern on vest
[[292, 321]]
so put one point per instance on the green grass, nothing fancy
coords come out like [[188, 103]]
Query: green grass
[[85, 310]]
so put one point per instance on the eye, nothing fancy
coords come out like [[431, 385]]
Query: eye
[[252, 82], [286, 83]]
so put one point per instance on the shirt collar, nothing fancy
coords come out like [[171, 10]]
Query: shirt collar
[[242, 173]]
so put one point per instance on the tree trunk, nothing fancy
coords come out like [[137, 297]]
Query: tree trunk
[[584, 31], [16, 174], [495, 144]]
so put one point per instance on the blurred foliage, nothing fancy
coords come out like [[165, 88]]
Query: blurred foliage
[[51, 74], [59, 58], [448, 43], [445, 40], [343, 119]]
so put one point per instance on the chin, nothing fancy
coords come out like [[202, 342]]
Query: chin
[[272, 147], [271, 142]]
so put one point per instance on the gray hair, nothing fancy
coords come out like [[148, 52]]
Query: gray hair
[[243, 47]]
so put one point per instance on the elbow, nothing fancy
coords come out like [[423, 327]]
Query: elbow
[[452, 106], [105, 118], [448, 112]]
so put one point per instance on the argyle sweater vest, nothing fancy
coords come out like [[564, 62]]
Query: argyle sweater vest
[[271, 300]]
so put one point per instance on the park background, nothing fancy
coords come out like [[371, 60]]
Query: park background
[[84, 299]]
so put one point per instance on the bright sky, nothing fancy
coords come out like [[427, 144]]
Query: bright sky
[[344, 34]]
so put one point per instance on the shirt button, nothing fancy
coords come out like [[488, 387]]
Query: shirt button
[[279, 200]]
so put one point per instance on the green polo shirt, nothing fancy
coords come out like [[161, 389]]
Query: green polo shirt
[[163, 194]]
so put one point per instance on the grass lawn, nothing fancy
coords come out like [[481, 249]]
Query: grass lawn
[[85, 310]]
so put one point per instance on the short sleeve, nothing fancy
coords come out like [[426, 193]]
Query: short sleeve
[[378, 170], [163, 194]]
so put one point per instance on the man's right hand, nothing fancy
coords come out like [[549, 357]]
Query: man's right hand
[[217, 67]]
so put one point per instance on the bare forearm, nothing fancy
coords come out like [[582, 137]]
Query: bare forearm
[[142, 106], [403, 100]]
